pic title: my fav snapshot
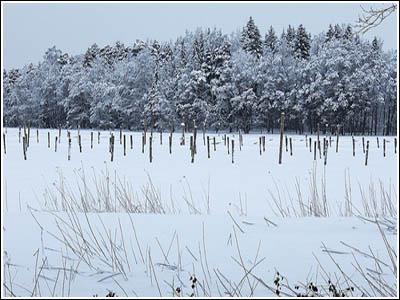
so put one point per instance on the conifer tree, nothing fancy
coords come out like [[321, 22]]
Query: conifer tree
[[271, 40], [302, 43], [251, 38]]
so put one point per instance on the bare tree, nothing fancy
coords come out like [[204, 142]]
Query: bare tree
[[373, 17]]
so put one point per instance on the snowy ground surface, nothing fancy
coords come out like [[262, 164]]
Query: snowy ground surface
[[214, 213]]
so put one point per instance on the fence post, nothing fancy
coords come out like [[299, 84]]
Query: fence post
[[233, 150], [151, 148], [208, 146], [366, 154], [281, 137], [337, 138], [4, 142], [170, 142], [124, 145]]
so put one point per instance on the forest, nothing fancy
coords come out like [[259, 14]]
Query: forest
[[240, 81]]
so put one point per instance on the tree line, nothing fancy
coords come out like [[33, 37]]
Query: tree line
[[241, 81]]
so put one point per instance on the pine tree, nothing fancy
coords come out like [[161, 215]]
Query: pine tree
[[302, 43], [290, 37], [348, 33], [251, 39], [271, 40], [182, 52], [337, 32], [375, 45], [90, 55], [198, 50], [330, 33]]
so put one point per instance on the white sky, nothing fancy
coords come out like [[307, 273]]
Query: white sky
[[30, 29]]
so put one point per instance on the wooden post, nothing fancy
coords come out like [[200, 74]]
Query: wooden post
[[227, 143], [215, 144], [363, 144], [37, 135], [240, 140], [145, 135], [325, 151], [315, 150], [98, 137], [55, 143], [19, 135], [395, 145], [80, 143], [183, 134], [170, 143], [143, 141], [377, 142], [195, 140], [354, 146], [290, 144], [281, 137], [286, 143], [151, 148], [4, 142], [120, 136], [91, 140], [306, 141], [24, 146], [124, 145], [192, 148], [366, 154], [310, 145], [337, 139], [69, 146], [160, 137], [260, 143], [208, 146], [319, 148], [112, 142], [224, 139], [384, 147], [233, 150], [48, 139], [59, 134], [131, 140], [318, 135]]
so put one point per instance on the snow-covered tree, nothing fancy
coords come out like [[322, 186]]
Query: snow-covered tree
[[271, 40], [251, 38], [302, 43], [211, 79]]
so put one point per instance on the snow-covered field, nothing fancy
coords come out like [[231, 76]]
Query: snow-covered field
[[232, 225]]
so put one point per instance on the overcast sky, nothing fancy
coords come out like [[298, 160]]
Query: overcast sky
[[29, 29]]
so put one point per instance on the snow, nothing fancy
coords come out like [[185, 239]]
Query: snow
[[249, 183]]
